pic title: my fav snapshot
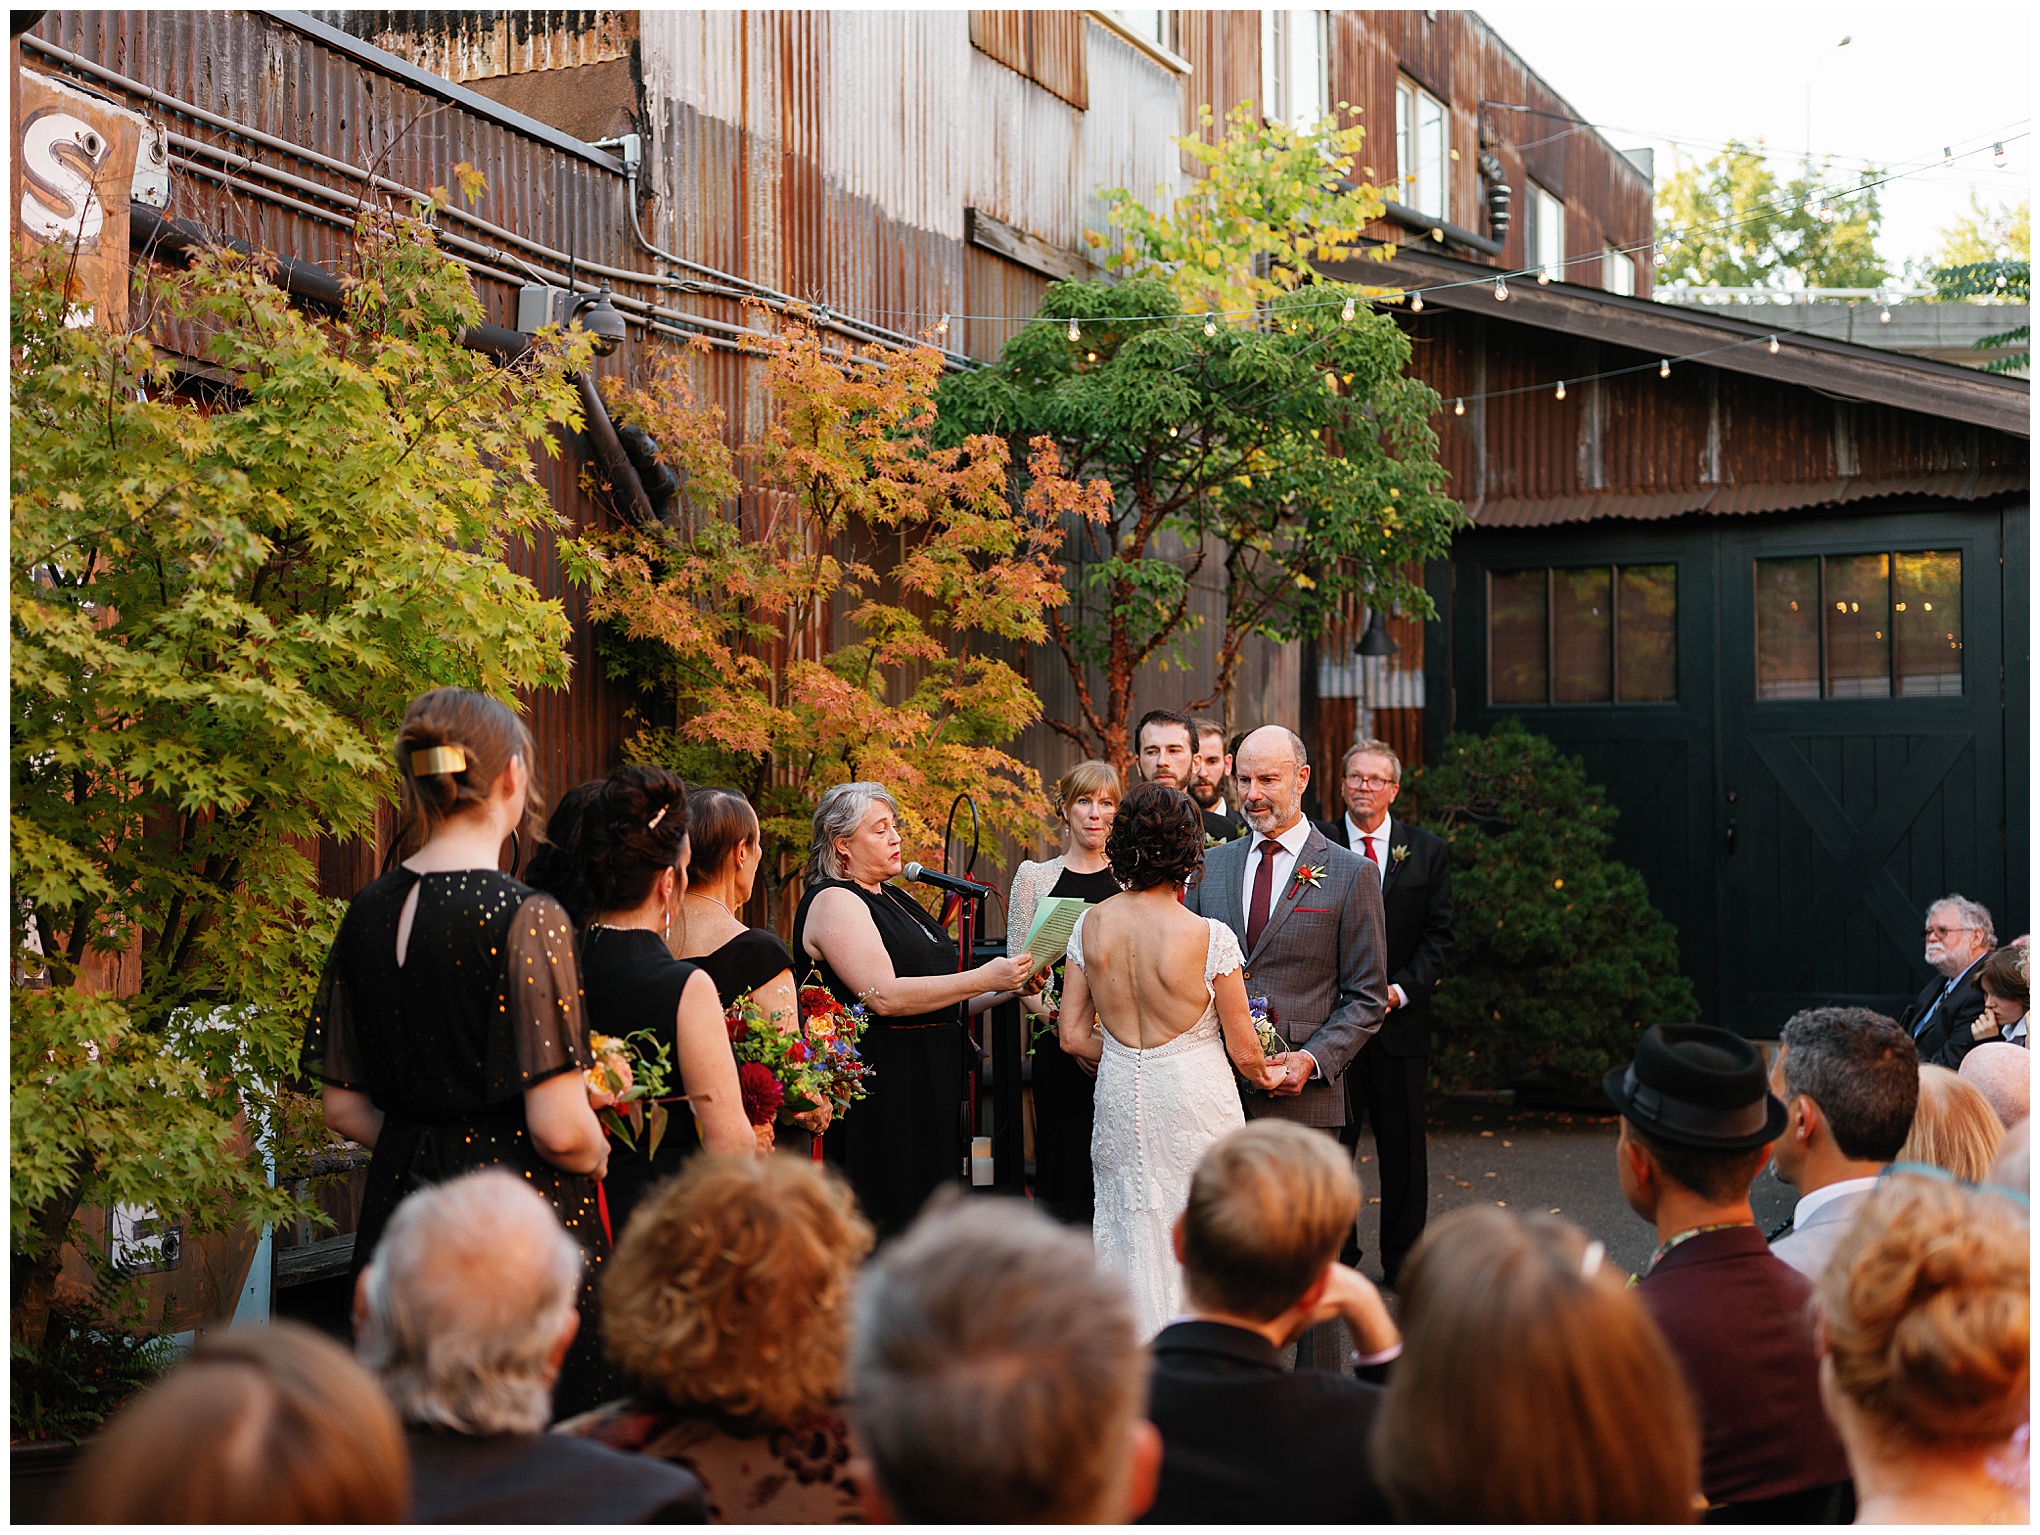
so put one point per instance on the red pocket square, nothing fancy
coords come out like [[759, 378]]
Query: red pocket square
[[1312, 911]]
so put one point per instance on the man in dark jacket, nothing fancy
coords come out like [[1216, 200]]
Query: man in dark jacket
[[1697, 1125], [1942, 1020], [1243, 1440], [1385, 1083], [465, 1313]]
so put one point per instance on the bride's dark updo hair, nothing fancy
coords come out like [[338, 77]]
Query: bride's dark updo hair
[[1157, 838], [610, 840]]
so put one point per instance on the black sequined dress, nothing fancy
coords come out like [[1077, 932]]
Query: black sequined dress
[[486, 1004]]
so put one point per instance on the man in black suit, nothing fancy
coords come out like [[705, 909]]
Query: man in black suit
[[1243, 1440], [1943, 1019], [1386, 1080], [1210, 767], [466, 1313]]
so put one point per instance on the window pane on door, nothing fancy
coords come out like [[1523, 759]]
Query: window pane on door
[[1856, 602], [1647, 634], [1927, 623], [1582, 631], [1788, 628], [1517, 671]]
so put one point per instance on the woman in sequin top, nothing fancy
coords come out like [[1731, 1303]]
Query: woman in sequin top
[[448, 1033]]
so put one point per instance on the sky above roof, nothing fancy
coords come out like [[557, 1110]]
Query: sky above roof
[[1907, 85]]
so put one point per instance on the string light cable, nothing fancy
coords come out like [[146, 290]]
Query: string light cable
[[1500, 280]]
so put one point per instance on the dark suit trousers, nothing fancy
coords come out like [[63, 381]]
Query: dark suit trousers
[[1389, 1090]]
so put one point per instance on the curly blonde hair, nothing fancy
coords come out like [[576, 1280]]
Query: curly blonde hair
[[1953, 1126], [1926, 1311], [732, 1287]]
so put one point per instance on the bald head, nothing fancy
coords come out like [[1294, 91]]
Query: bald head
[[2012, 1167], [1272, 769], [469, 1303], [2004, 1074]]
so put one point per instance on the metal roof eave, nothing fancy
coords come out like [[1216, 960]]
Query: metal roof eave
[[438, 85], [1848, 369]]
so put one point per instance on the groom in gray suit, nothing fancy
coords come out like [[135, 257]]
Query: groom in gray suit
[[1308, 917]]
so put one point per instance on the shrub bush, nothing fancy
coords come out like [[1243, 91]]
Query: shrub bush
[[1559, 960]]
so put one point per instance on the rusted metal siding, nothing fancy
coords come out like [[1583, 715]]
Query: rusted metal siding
[[482, 45], [1047, 47], [1224, 50], [272, 78]]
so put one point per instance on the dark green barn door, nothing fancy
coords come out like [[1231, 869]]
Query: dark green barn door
[[1862, 754]]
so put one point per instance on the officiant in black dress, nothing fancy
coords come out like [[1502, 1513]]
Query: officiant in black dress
[[448, 1032], [874, 945]]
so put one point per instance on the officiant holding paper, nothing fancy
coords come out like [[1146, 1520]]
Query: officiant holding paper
[[1086, 800]]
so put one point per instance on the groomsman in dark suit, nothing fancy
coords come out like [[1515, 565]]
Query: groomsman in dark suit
[[1210, 767], [1386, 1081]]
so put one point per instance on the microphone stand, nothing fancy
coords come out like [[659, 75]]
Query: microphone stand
[[968, 914]]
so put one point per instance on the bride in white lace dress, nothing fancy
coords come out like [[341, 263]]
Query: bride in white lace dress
[[1155, 1000]]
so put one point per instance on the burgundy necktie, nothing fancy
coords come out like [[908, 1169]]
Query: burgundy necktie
[[1264, 890], [1369, 840]]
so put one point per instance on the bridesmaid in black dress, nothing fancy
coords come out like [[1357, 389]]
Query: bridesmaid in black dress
[[722, 867], [616, 856], [448, 1032], [876, 945]]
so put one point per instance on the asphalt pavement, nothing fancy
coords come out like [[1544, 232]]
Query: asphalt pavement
[[1535, 1162]]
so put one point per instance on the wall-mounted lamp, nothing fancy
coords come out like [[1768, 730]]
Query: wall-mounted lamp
[[1375, 640], [539, 306]]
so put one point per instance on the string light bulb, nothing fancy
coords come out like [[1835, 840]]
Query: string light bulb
[[1210, 325], [1501, 289], [1657, 258], [942, 325], [1664, 367], [1073, 330], [1172, 431], [1544, 277], [1561, 389], [1948, 155], [1884, 314], [1090, 357], [1416, 303], [1459, 407], [1346, 314], [1997, 156]]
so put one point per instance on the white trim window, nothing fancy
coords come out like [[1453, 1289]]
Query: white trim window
[[1422, 149], [1296, 67], [1544, 234], [1152, 25], [1618, 271]]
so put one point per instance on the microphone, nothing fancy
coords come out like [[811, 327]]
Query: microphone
[[955, 884]]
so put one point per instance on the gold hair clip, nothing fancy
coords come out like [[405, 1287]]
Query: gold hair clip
[[438, 759], [653, 823]]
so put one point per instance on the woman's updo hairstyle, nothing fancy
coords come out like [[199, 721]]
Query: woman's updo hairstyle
[[1157, 838], [451, 748], [719, 821], [1925, 1307], [610, 840]]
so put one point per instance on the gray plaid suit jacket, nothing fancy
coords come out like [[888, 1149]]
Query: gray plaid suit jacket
[[1321, 962]]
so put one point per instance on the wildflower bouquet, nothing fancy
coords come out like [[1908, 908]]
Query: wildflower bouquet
[[833, 1030], [629, 1077], [1272, 1042]]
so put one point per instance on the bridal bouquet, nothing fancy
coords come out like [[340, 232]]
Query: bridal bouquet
[[1272, 1042], [625, 1084]]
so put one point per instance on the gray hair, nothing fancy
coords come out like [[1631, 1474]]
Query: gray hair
[[1973, 914], [1864, 1072], [995, 1372], [1372, 748], [839, 814], [468, 1293]]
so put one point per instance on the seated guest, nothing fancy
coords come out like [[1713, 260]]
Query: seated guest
[[1925, 1365], [2003, 980], [1259, 1243], [1532, 1388], [996, 1378], [1696, 1127], [1954, 1127], [1848, 1078], [2004, 1075], [260, 1425], [466, 1313], [1943, 1020], [728, 1303]]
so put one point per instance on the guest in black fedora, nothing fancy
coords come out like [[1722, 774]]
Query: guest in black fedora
[[1698, 1120]]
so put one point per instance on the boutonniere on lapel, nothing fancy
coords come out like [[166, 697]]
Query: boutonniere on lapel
[[1398, 854], [1311, 874]]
